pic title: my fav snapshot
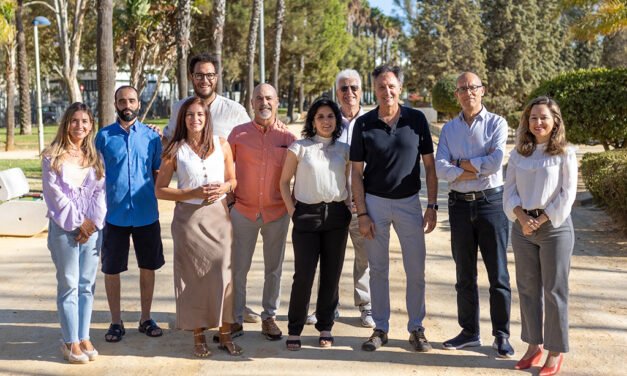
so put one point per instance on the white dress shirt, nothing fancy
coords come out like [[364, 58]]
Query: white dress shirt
[[541, 181]]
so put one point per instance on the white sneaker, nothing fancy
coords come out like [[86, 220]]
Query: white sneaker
[[311, 319], [250, 316], [366, 319]]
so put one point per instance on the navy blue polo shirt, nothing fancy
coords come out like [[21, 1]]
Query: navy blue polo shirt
[[392, 155]]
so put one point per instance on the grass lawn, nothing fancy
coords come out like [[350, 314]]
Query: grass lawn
[[31, 167], [31, 141]]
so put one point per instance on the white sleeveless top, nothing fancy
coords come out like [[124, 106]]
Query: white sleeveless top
[[74, 173], [192, 172]]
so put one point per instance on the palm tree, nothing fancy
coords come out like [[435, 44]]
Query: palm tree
[[604, 17], [22, 73], [7, 40], [250, 53], [278, 32], [105, 64], [218, 15], [183, 23]]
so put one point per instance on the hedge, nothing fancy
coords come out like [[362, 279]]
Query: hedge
[[443, 97], [593, 104], [605, 175]]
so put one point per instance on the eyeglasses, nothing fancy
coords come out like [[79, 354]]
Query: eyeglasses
[[353, 88], [473, 89], [203, 76]]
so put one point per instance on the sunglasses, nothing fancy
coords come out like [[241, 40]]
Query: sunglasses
[[354, 88]]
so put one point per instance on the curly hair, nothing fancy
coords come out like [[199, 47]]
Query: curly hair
[[526, 141], [309, 130], [180, 132]]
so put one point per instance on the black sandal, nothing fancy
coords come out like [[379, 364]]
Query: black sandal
[[293, 344], [326, 341], [149, 327], [115, 332]]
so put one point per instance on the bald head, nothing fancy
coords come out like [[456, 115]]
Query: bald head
[[265, 102], [469, 91]]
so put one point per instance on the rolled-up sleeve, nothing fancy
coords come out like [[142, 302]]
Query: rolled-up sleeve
[[61, 209], [444, 169], [559, 208], [511, 199], [491, 163]]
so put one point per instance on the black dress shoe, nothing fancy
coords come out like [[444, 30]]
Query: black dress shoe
[[502, 347]]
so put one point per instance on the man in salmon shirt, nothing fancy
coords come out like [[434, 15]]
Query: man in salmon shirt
[[259, 148]]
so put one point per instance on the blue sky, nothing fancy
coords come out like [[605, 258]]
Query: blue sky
[[385, 5]]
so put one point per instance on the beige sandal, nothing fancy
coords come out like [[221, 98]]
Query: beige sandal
[[201, 349], [227, 344]]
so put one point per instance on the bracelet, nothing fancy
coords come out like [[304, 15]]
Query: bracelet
[[362, 214]]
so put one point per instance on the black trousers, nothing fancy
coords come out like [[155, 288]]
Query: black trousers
[[320, 232]]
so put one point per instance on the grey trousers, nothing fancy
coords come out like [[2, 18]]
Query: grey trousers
[[406, 216], [245, 233], [361, 271], [542, 268]]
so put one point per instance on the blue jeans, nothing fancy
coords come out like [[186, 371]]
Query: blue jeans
[[481, 224], [77, 265]]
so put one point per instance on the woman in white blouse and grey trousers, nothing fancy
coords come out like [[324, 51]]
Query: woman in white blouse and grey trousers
[[540, 189]]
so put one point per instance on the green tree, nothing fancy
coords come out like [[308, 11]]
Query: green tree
[[8, 42], [605, 17], [615, 50]]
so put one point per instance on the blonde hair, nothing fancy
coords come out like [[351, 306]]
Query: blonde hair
[[61, 143], [526, 141]]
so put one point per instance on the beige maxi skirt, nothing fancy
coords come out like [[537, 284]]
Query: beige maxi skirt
[[203, 286]]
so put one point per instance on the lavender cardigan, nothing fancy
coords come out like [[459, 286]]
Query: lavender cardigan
[[69, 206]]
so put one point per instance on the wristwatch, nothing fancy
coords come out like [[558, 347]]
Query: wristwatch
[[433, 206]]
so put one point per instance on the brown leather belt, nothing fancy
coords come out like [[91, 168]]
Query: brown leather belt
[[535, 213]]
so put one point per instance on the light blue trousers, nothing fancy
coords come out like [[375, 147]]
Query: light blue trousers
[[406, 216], [77, 265]]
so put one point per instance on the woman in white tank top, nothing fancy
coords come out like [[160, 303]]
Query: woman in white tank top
[[201, 226]]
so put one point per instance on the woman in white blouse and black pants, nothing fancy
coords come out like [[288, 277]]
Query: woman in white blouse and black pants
[[321, 217], [540, 189]]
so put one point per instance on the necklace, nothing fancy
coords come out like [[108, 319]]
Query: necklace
[[76, 153]]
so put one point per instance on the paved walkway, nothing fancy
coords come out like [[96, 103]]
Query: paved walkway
[[598, 319]]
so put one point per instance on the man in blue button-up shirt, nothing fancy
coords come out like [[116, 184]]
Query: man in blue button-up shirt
[[131, 154], [470, 157]]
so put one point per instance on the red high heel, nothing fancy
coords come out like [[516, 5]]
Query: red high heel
[[550, 371], [534, 360]]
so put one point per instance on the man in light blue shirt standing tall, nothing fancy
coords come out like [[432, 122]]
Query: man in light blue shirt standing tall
[[131, 154], [470, 157]]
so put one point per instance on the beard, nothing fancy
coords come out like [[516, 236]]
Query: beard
[[127, 114], [204, 96], [265, 113]]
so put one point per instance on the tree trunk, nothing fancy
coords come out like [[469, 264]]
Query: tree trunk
[[69, 43], [290, 99], [278, 32], [250, 54], [10, 114], [301, 86], [165, 68], [26, 122], [183, 22], [219, 12], [105, 72]]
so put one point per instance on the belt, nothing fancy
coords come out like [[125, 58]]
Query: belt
[[472, 196], [535, 213]]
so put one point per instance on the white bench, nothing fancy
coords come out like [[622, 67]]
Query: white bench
[[22, 213]]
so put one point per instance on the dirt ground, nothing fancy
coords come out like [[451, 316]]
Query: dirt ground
[[29, 329]]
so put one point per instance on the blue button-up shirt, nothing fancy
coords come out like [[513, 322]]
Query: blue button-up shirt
[[482, 143], [130, 160]]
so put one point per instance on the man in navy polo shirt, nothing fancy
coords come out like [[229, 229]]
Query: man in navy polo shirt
[[131, 154], [386, 148]]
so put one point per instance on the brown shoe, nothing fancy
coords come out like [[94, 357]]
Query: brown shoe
[[270, 330]]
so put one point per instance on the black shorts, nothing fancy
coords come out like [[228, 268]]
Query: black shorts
[[116, 244]]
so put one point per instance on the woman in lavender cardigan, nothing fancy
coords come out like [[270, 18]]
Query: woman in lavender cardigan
[[73, 187]]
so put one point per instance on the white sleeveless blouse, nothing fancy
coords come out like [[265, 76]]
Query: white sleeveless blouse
[[192, 172]]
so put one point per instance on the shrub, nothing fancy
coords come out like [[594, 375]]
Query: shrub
[[507, 107], [605, 175], [593, 104], [443, 97]]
